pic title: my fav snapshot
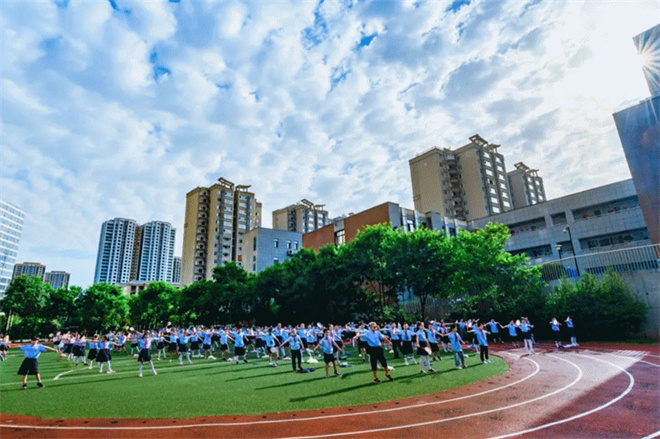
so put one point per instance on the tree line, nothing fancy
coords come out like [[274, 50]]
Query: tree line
[[365, 279]]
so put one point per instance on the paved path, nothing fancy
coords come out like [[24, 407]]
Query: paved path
[[595, 392]]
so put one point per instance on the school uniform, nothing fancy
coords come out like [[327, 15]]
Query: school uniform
[[513, 332], [145, 349], [91, 350], [433, 340], [374, 349], [494, 330], [406, 341], [239, 343], [103, 354], [172, 345], [327, 346], [295, 342], [455, 340], [30, 364], [482, 340], [222, 339], [422, 342]]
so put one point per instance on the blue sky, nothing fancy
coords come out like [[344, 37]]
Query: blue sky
[[117, 109]]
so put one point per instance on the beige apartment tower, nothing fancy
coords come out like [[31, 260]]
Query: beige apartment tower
[[467, 183], [526, 186], [216, 219], [303, 217]]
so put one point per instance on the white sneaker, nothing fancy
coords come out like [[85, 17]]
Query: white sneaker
[[140, 375]]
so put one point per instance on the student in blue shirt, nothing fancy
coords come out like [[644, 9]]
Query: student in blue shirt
[[513, 334], [571, 330], [555, 325], [272, 345], [92, 351], [183, 348], [423, 348], [145, 343], [296, 343], [406, 344], [494, 331], [374, 339], [456, 341], [30, 365], [526, 329], [328, 346], [239, 345], [482, 340]]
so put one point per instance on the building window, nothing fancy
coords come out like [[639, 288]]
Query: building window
[[254, 243], [295, 245], [340, 237], [288, 245], [276, 243], [276, 260]]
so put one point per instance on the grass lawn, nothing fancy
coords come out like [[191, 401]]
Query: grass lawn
[[213, 387]]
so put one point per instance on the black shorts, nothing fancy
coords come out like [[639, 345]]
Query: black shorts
[[78, 351], [260, 343], [239, 350], [171, 347], [225, 347], [29, 366], [215, 339], [557, 335], [145, 355], [91, 355], [421, 350], [3, 348], [527, 335], [207, 347], [183, 348], [362, 344], [194, 345], [68, 348], [134, 344], [406, 348], [328, 358], [434, 347], [160, 345]]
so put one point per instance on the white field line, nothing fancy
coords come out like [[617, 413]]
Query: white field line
[[57, 377], [652, 435], [537, 369]]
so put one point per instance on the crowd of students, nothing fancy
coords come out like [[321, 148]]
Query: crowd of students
[[421, 341]]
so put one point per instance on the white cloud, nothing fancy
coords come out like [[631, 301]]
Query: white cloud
[[120, 112]]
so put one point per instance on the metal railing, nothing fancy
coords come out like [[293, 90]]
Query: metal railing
[[625, 260]]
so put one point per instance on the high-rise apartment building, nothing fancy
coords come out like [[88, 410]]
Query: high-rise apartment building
[[57, 279], [115, 255], [30, 269], [467, 183], [156, 252], [176, 271], [303, 217], [526, 186], [11, 227], [216, 219]]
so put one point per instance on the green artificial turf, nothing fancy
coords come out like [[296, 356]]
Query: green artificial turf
[[209, 387]]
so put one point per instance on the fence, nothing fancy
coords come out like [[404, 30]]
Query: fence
[[643, 258]]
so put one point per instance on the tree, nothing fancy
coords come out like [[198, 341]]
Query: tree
[[491, 282], [26, 297], [103, 307], [62, 308], [423, 263], [367, 258], [233, 284], [154, 305]]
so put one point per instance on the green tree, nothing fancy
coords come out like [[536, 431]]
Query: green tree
[[26, 297], [423, 263], [367, 258], [234, 286], [62, 308], [154, 305], [103, 307], [489, 281]]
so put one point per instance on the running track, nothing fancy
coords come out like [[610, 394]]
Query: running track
[[580, 393]]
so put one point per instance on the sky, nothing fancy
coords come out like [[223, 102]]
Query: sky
[[119, 108]]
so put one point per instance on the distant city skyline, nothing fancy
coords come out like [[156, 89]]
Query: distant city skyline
[[118, 109]]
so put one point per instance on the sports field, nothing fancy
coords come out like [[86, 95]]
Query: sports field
[[214, 387]]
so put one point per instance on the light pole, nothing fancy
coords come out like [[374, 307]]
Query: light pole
[[558, 248], [570, 237]]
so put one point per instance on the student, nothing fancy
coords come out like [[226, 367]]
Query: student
[[239, 345], [482, 340], [396, 340], [571, 330], [79, 350], [295, 342], [194, 343], [183, 348], [495, 332], [160, 345], [361, 341], [328, 346], [432, 336], [92, 350], [103, 356], [172, 344], [456, 341], [207, 339], [526, 329], [223, 339], [271, 340], [30, 365], [145, 343], [555, 325], [374, 340], [422, 345], [513, 334], [4, 345], [310, 336], [406, 345]]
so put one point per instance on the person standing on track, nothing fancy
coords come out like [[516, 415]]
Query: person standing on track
[[526, 329], [30, 364], [571, 331], [555, 325], [482, 340]]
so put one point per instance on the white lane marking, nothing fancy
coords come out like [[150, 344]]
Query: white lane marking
[[57, 377], [537, 369], [631, 383], [652, 435]]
